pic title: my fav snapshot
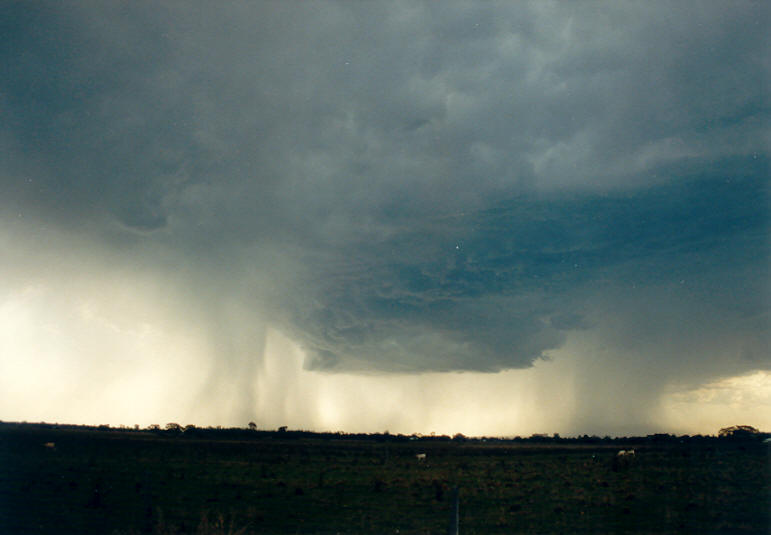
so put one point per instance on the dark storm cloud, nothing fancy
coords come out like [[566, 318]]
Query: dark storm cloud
[[411, 187], [496, 288]]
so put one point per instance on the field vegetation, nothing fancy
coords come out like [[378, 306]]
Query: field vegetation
[[60, 479]]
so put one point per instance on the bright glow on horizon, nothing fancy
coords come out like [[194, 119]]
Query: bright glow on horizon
[[722, 403], [127, 360], [72, 357]]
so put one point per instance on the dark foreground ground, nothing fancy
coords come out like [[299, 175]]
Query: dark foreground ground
[[131, 483]]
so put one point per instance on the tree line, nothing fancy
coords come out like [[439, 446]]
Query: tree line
[[251, 432]]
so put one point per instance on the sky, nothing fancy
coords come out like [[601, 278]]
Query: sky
[[487, 218]]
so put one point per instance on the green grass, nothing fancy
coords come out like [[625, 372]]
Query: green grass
[[130, 483]]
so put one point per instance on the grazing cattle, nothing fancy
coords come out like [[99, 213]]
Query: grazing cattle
[[50, 445], [622, 460], [421, 456]]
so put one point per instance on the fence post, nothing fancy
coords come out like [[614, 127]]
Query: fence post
[[452, 529]]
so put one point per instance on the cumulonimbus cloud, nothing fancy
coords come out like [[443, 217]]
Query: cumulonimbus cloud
[[412, 189]]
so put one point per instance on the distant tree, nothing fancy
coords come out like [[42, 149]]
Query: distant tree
[[282, 429], [739, 431], [189, 428], [153, 427], [253, 426], [660, 437], [172, 426]]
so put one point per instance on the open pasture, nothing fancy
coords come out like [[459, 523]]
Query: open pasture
[[132, 482]]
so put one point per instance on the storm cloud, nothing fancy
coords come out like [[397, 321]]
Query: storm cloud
[[406, 188]]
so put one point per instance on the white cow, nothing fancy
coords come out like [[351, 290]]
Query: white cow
[[622, 460], [420, 456], [50, 445]]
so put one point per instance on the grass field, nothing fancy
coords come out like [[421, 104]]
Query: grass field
[[130, 483]]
